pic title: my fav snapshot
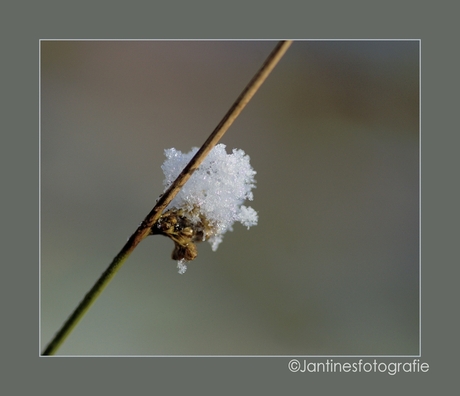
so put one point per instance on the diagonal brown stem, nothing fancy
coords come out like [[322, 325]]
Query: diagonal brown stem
[[144, 229]]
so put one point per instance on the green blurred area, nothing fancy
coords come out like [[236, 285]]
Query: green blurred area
[[332, 267]]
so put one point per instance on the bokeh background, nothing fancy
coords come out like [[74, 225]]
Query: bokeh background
[[332, 268]]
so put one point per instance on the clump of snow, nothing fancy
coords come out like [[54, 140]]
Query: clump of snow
[[181, 267], [216, 190]]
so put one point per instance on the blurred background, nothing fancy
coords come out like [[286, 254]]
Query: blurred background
[[332, 268]]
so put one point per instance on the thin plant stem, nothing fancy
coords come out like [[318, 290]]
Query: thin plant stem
[[144, 229]]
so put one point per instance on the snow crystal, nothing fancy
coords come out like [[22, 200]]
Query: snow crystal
[[181, 266], [216, 190]]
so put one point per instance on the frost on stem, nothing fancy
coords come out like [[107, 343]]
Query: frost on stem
[[209, 203]]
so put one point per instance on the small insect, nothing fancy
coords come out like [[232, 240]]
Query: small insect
[[176, 225]]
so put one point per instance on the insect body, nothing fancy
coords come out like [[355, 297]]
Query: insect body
[[176, 225]]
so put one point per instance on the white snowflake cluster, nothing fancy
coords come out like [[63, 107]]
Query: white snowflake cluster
[[215, 192]]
